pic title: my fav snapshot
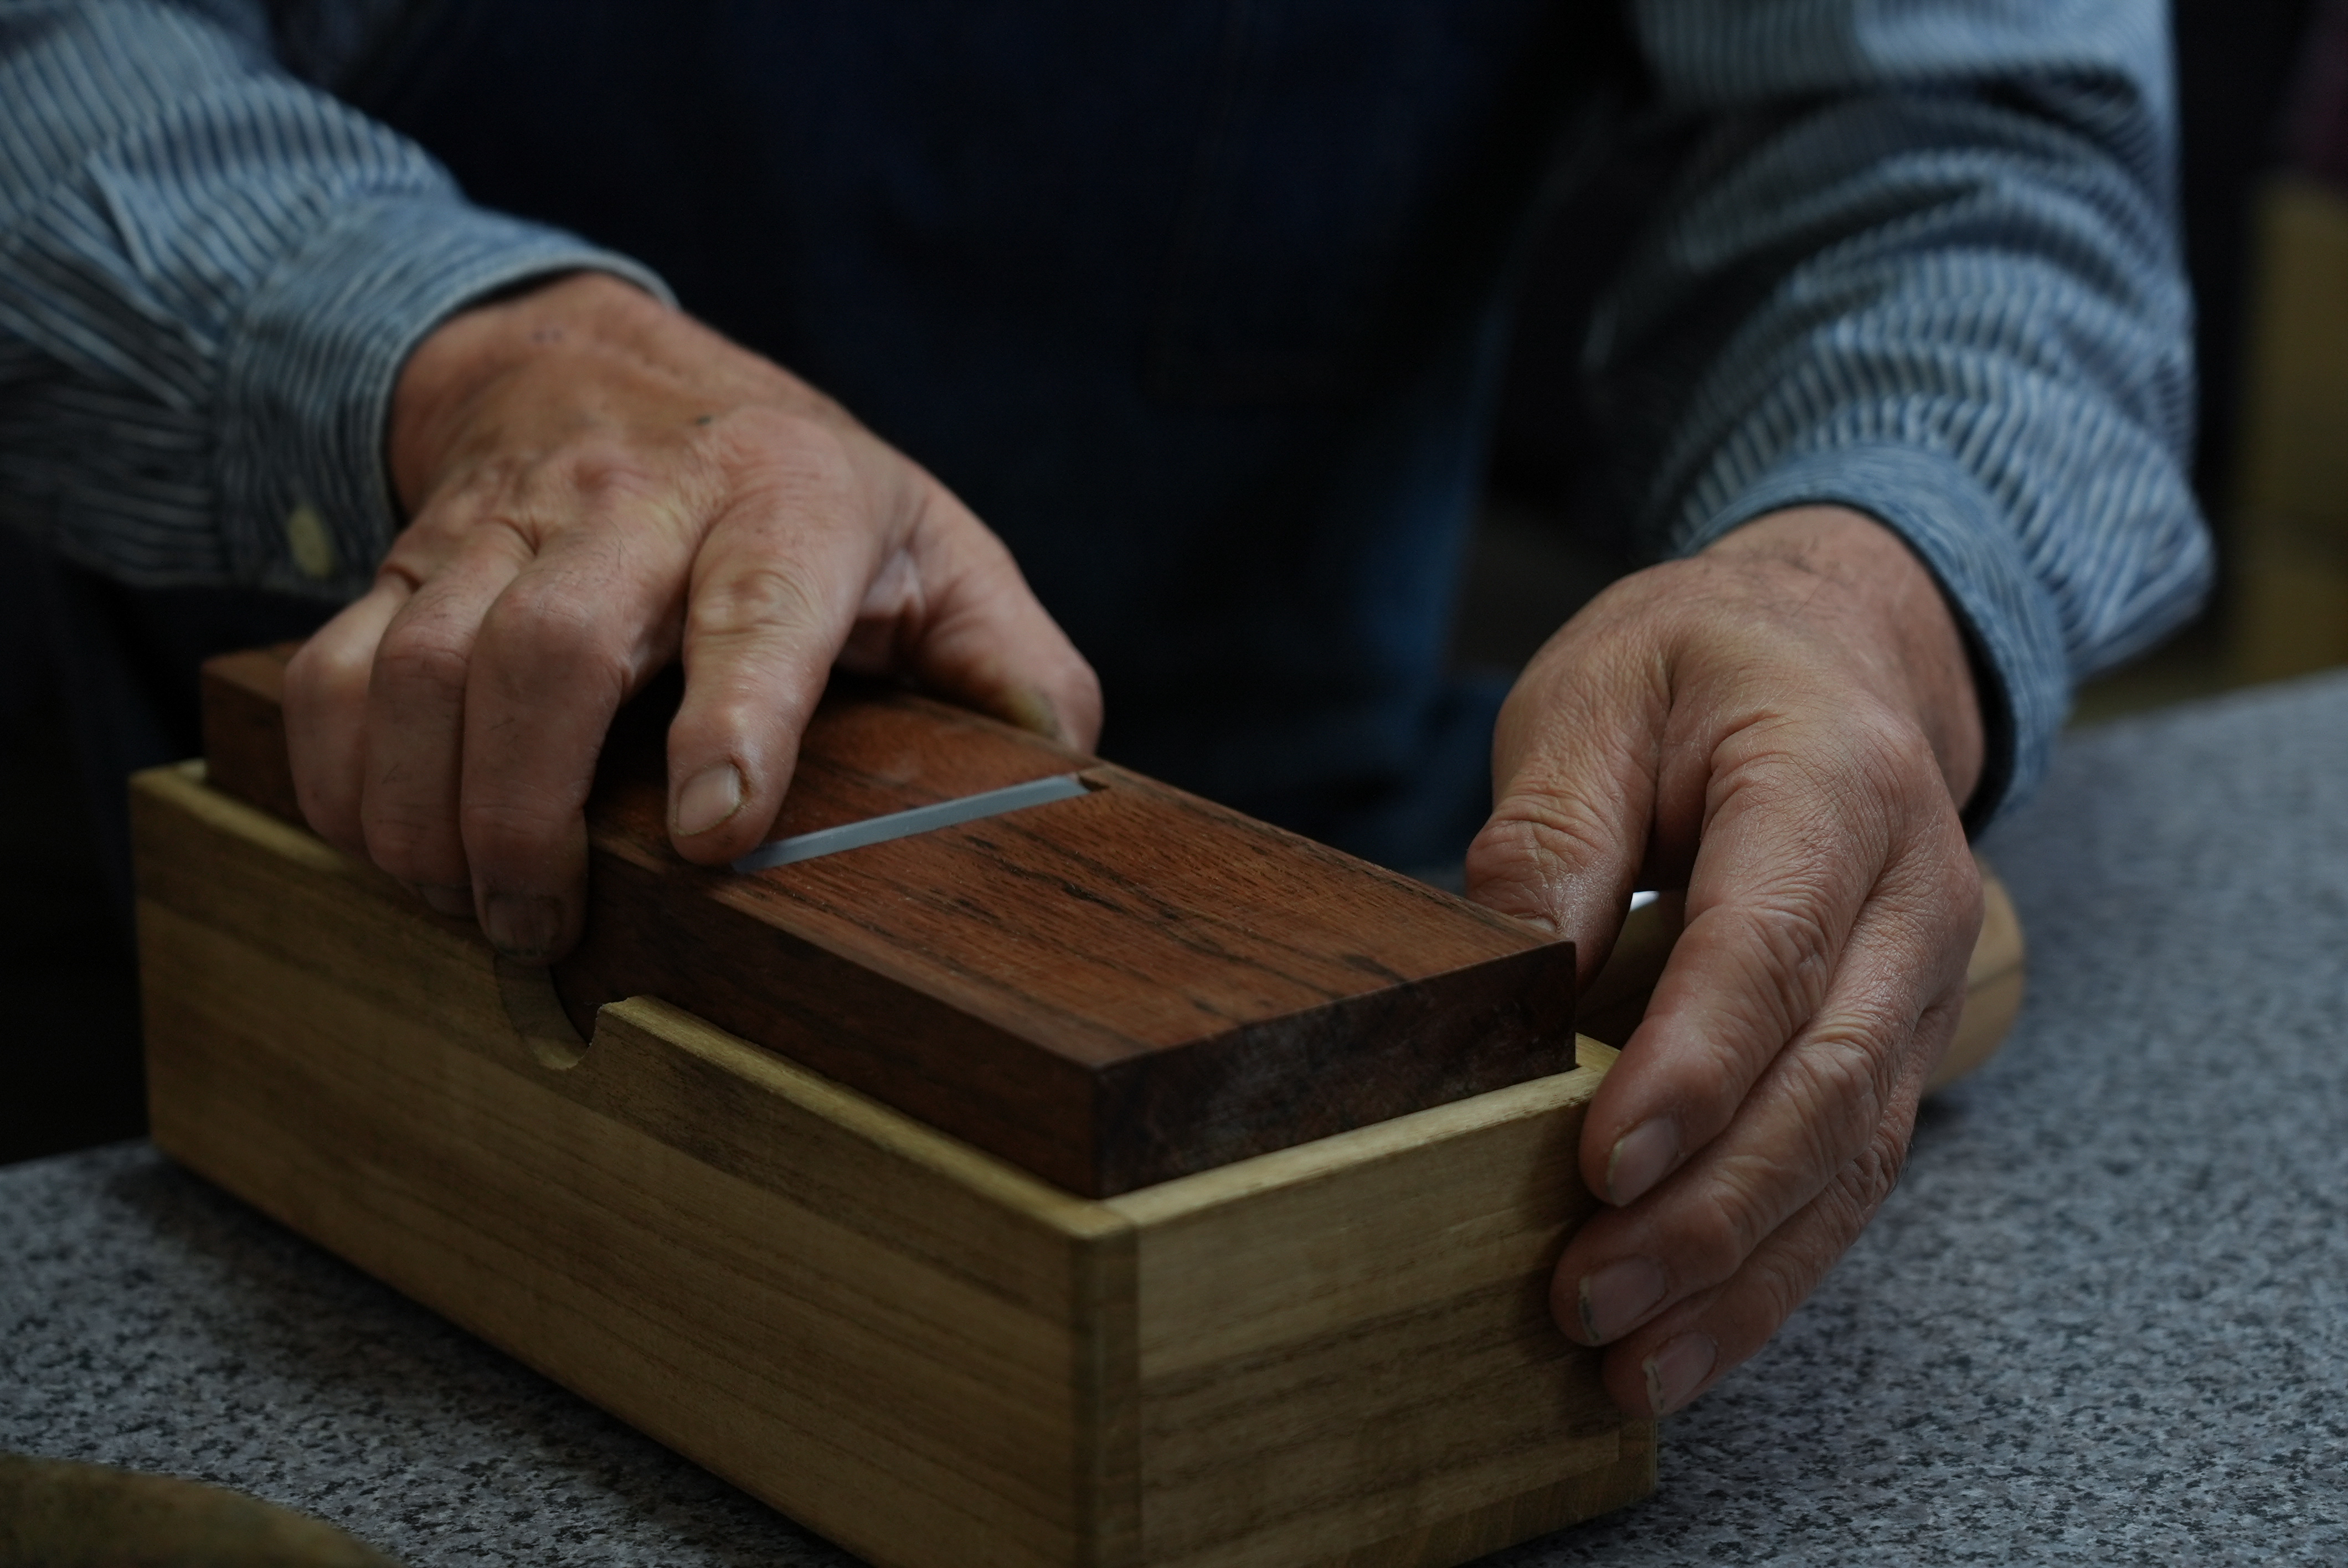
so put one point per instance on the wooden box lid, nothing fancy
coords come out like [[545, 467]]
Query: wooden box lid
[[1109, 991]]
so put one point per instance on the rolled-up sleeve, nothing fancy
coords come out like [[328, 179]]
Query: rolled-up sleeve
[[211, 274], [1923, 262]]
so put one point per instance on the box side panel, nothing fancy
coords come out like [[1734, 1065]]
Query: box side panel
[[1464, 1537], [1347, 1349], [289, 897], [1394, 1218], [817, 1351]]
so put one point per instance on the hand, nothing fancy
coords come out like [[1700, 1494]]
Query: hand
[[1786, 724], [599, 485]]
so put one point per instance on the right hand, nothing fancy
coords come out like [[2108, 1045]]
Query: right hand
[[599, 484]]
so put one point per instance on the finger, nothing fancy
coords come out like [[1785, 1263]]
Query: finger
[[326, 710], [1811, 1113], [416, 716], [971, 628], [1576, 757], [1680, 1353], [774, 589], [572, 635], [1799, 824]]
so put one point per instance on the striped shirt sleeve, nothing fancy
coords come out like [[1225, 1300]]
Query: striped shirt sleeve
[[209, 276], [1923, 262]]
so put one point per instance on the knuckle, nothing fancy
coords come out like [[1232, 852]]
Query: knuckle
[[325, 690], [1784, 1270], [1842, 1073], [1711, 1246], [549, 626], [1720, 1232], [517, 832], [1791, 928], [331, 810], [408, 844], [1527, 856], [1774, 1288], [310, 673], [1867, 760], [759, 596], [1964, 902], [1838, 1079], [609, 466], [1535, 840], [1790, 950], [423, 657], [1877, 1171], [1865, 1181]]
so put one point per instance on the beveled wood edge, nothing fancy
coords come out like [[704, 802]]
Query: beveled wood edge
[[620, 1024], [1187, 1196], [643, 1022], [188, 785]]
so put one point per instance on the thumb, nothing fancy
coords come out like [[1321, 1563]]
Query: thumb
[[1575, 763]]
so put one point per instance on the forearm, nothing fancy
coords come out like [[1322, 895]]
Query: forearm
[[1925, 269], [214, 275]]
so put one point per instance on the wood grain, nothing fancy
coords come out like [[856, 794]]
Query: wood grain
[[1287, 1334], [1333, 1353], [1109, 991]]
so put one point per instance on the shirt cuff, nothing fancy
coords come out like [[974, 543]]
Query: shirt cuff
[[2010, 623], [307, 506]]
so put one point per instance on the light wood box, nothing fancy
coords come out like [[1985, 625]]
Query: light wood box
[[1336, 1354], [2290, 570]]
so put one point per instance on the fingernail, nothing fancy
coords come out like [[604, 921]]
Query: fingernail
[[1675, 1371], [446, 900], [1641, 1157], [1032, 710], [523, 925], [708, 798], [1617, 1296]]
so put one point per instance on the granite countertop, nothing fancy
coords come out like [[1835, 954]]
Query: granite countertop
[[2104, 1320]]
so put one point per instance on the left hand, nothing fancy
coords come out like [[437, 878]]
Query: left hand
[[1786, 724]]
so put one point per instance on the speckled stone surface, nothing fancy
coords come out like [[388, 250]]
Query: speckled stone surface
[[2105, 1320]]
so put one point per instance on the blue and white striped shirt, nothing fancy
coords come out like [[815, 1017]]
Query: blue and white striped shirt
[[1920, 261]]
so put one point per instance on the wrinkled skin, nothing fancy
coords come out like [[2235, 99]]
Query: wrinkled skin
[[1784, 724], [600, 485]]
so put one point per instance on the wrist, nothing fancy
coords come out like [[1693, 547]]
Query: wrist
[[1894, 616]]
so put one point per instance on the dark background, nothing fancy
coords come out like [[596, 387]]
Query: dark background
[[69, 1047]]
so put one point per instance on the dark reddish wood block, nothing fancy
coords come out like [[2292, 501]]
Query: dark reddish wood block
[[245, 729], [1109, 991]]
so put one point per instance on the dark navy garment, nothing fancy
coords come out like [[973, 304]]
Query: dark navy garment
[[1196, 301], [1195, 307]]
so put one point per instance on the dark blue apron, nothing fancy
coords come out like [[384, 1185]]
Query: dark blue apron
[[1196, 303]]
